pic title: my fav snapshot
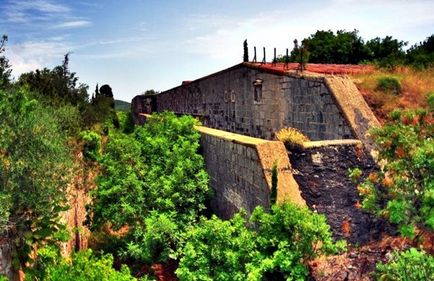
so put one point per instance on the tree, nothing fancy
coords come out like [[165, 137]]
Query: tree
[[5, 67], [387, 52], [422, 55], [56, 87], [102, 108], [35, 165], [246, 52], [344, 47]]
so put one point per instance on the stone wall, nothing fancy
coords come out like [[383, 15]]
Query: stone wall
[[257, 103], [6, 258], [240, 171], [321, 170]]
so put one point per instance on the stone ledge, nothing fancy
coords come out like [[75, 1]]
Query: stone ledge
[[311, 144]]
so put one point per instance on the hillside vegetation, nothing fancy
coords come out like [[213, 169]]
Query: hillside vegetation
[[148, 210], [402, 87]]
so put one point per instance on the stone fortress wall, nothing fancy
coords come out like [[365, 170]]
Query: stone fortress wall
[[253, 103]]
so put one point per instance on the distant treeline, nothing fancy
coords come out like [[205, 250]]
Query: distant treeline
[[347, 47]]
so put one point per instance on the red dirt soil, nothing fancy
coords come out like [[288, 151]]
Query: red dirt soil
[[281, 68]]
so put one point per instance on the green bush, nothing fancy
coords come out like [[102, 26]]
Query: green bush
[[403, 191], [69, 119], [126, 121], [154, 174], [35, 167], [3, 278], [411, 265], [389, 84], [91, 144], [276, 246], [81, 266]]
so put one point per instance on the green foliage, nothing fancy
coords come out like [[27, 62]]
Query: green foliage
[[218, 250], [287, 237], [35, 166], [275, 247], [386, 52], [344, 47], [160, 239], [5, 67], [101, 108], [81, 266], [403, 191], [69, 119], [3, 278], [422, 55], [411, 265], [56, 87], [126, 121], [389, 84], [155, 169], [91, 144]]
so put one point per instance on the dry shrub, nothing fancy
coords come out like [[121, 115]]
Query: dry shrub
[[292, 138], [415, 86]]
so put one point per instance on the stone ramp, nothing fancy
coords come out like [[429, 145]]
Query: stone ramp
[[353, 106]]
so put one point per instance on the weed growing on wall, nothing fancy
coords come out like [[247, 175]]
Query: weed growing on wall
[[292, 138]]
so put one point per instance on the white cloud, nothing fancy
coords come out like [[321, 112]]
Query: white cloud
[[278, 28], [73, 24], [31, 55], [20, 11]]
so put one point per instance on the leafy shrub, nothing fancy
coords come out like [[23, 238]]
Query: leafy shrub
[[81, 266], [389, 84], [276, 246], [287, 237], [69, 119], [126, 121], [35, 166], [91, 144], [159, 240], [411, 265], [154, 173], [403, 191], [218, 250], [292, 137], [3, 278]]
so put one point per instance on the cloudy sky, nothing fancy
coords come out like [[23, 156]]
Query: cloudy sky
[[134, 45]]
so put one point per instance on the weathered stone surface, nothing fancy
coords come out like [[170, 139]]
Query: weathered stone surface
[[321, 170], [5, 258], [316, 105]]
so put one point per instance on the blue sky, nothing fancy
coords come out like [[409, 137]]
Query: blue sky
[[135, 45]]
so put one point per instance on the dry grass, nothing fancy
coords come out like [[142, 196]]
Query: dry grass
[[292, 137], [415, 87]]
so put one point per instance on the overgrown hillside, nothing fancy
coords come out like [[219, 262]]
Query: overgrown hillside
[[403, 87]]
